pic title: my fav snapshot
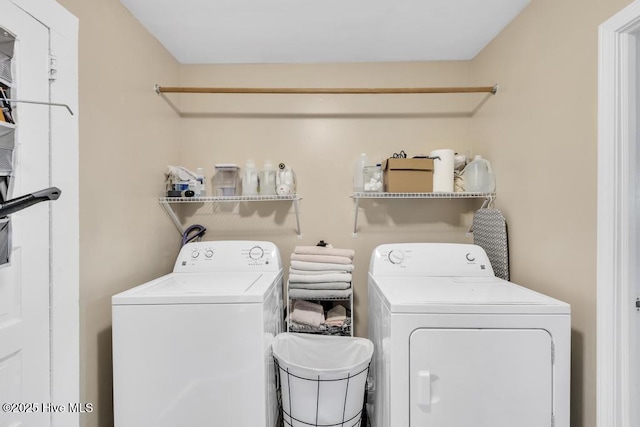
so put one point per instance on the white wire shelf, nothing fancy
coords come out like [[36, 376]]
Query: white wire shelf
[[316, 298], [489, 197], [462, 195], [228, 199], [166, 203]]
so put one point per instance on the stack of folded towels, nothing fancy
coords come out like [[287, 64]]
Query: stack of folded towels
[[320, 273]]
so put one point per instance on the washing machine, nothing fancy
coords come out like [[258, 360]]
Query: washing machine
[[193, 347], [456, 346]]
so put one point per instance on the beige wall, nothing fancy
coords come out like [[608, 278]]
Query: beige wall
[[321, 137], [127, 137], [540, 134]]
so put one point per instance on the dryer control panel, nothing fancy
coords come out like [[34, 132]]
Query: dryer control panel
[[228, 256], [430, 260]]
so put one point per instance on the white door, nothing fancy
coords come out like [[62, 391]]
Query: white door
[[634, 276], [24, 282], [480, 378]]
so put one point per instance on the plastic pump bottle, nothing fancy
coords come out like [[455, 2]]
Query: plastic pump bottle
[[268, 179], [250, 179], [358, 173], [478, 176]]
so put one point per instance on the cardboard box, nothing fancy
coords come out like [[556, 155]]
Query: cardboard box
[[408, 175]]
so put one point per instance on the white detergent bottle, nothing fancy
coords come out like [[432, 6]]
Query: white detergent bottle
[[250, 179], [478, 176], [267, 179], [358, 173], [285, 181]]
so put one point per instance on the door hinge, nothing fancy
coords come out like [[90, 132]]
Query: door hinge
[[638, 304], [553, 420], [553, 353], [53, 68]]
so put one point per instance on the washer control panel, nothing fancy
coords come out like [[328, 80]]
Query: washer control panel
[[430, 260], [228, 256]]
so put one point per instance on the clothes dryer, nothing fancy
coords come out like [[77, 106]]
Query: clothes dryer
[[193, 347], [456, 346]]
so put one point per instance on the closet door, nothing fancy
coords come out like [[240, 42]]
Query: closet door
[[25, 280]]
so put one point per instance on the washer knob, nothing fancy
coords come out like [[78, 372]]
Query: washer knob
[[256, 252], [396, 256], [195, 254], [208, 253]]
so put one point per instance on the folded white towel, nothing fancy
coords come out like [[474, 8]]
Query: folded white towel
[[307, 313], [323, 250], [316, 278], [321, 285], [315, 266], [322, 258], [315, 272]]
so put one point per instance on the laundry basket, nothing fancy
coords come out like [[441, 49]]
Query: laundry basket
[[321, 379]]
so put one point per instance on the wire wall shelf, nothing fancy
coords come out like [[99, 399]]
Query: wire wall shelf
[[462, 195], [488, 199], [321, 298], [166, 203], [229, 199]]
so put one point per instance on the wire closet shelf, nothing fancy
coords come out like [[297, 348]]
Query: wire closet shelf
[[228, 199], [453, 195]]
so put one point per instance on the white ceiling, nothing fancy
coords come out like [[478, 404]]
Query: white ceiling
[[308, 31]]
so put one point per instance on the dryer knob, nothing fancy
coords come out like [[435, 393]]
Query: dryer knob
[[195, 254], [396, 256], [208, 253]]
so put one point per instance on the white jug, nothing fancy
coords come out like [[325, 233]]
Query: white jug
[[478, 176], [267, 179], [358, 172], [250, 179]]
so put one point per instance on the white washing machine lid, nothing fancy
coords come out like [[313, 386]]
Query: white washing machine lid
[[200, 288], [464, 295]]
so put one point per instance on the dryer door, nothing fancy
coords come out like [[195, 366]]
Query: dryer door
[[480, 378]]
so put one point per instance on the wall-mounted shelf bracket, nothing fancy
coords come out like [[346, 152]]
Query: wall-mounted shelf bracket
[[166, 203], [489, 198]]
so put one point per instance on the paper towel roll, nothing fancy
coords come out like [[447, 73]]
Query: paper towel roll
[[443, 170]]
